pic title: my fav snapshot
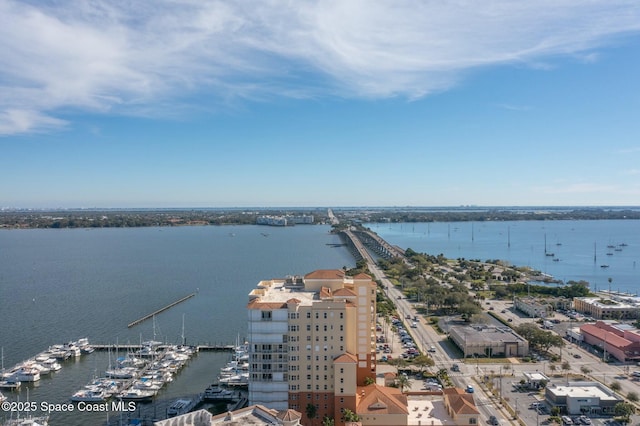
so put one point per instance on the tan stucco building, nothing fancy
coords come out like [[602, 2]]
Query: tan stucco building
[[312, 342]]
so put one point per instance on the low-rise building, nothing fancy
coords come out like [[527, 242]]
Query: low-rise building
[[576, 398], [489, 341], [253, 415], [608, 307], [461, 406], [619, 341], [532, 307]]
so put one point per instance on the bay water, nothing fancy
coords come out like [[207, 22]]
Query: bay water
[[60, 285], [590, 250]]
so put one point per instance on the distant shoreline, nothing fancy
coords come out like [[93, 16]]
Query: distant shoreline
[[121, 218]]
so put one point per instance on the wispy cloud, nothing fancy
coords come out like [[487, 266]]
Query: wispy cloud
[[117, 56]]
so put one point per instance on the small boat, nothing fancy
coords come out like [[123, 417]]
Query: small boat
[[604, 266], [9, 383], [26, 374], [90, 395], [181, 406], [28, 421], [216, 392], [138, 395]]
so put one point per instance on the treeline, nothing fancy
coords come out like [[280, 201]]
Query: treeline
[[497, 215], [141, 218]]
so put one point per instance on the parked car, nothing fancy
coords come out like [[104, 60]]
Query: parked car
[[493, 420], [469, 389], [455, 367]]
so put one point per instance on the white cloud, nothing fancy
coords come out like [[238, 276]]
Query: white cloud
[[126, 57]]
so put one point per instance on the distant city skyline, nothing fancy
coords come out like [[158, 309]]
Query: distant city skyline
[[113, 104]]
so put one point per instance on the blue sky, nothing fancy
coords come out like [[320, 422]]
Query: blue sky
[[339, 103]]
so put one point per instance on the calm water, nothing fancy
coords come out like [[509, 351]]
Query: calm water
[[60, 285], [522, 243]]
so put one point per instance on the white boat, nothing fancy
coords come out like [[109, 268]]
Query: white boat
[[235, 380], [2, 397], [26, 374], [121, 373], [90, 395], [217, 392], [181, 406], [137, 395], [28, 421], [52, 364], [9, 383]]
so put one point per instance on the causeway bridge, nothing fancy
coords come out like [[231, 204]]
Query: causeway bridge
[[360, 240]]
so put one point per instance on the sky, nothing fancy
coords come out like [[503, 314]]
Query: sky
[[191, 103]]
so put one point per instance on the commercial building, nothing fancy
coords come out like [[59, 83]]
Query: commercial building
[[312, 342], [485, 341], [532, 307], [577, 398], [614, 307], [615, 340]]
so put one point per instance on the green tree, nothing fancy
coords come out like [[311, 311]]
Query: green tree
[[585, 370], [615, 386], [350, 416], [624, 410], [633, 396], [423, 361], [311, 411], [369, 381], [403, 382], [328, 421]]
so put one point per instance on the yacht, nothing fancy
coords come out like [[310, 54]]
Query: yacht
[[52, 364], [90, 395], [216, 392], [181, 406], [26, 374], [138, 395]]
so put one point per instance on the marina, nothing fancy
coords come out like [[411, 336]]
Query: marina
[[99, 273]]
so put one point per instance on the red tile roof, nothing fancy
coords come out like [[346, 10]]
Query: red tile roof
[[326, 274]]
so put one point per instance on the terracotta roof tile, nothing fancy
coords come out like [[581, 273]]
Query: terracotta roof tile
[[325, 274], [379, 399]]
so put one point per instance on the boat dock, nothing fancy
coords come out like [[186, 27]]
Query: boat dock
[[151, 315], [198, 348]]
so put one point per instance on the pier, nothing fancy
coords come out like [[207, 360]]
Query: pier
[[151, 315], [198, 348]]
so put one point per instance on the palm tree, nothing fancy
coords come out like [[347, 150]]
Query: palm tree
[[350, 416], [328, 421], [566, 367], [403, 382]]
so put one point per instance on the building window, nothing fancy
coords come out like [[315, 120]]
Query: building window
[[308, 315], [325, 315], [308, 327], [266, 315], [341, 315]]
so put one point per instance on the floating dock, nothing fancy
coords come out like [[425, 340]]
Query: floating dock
[[151, 315]]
